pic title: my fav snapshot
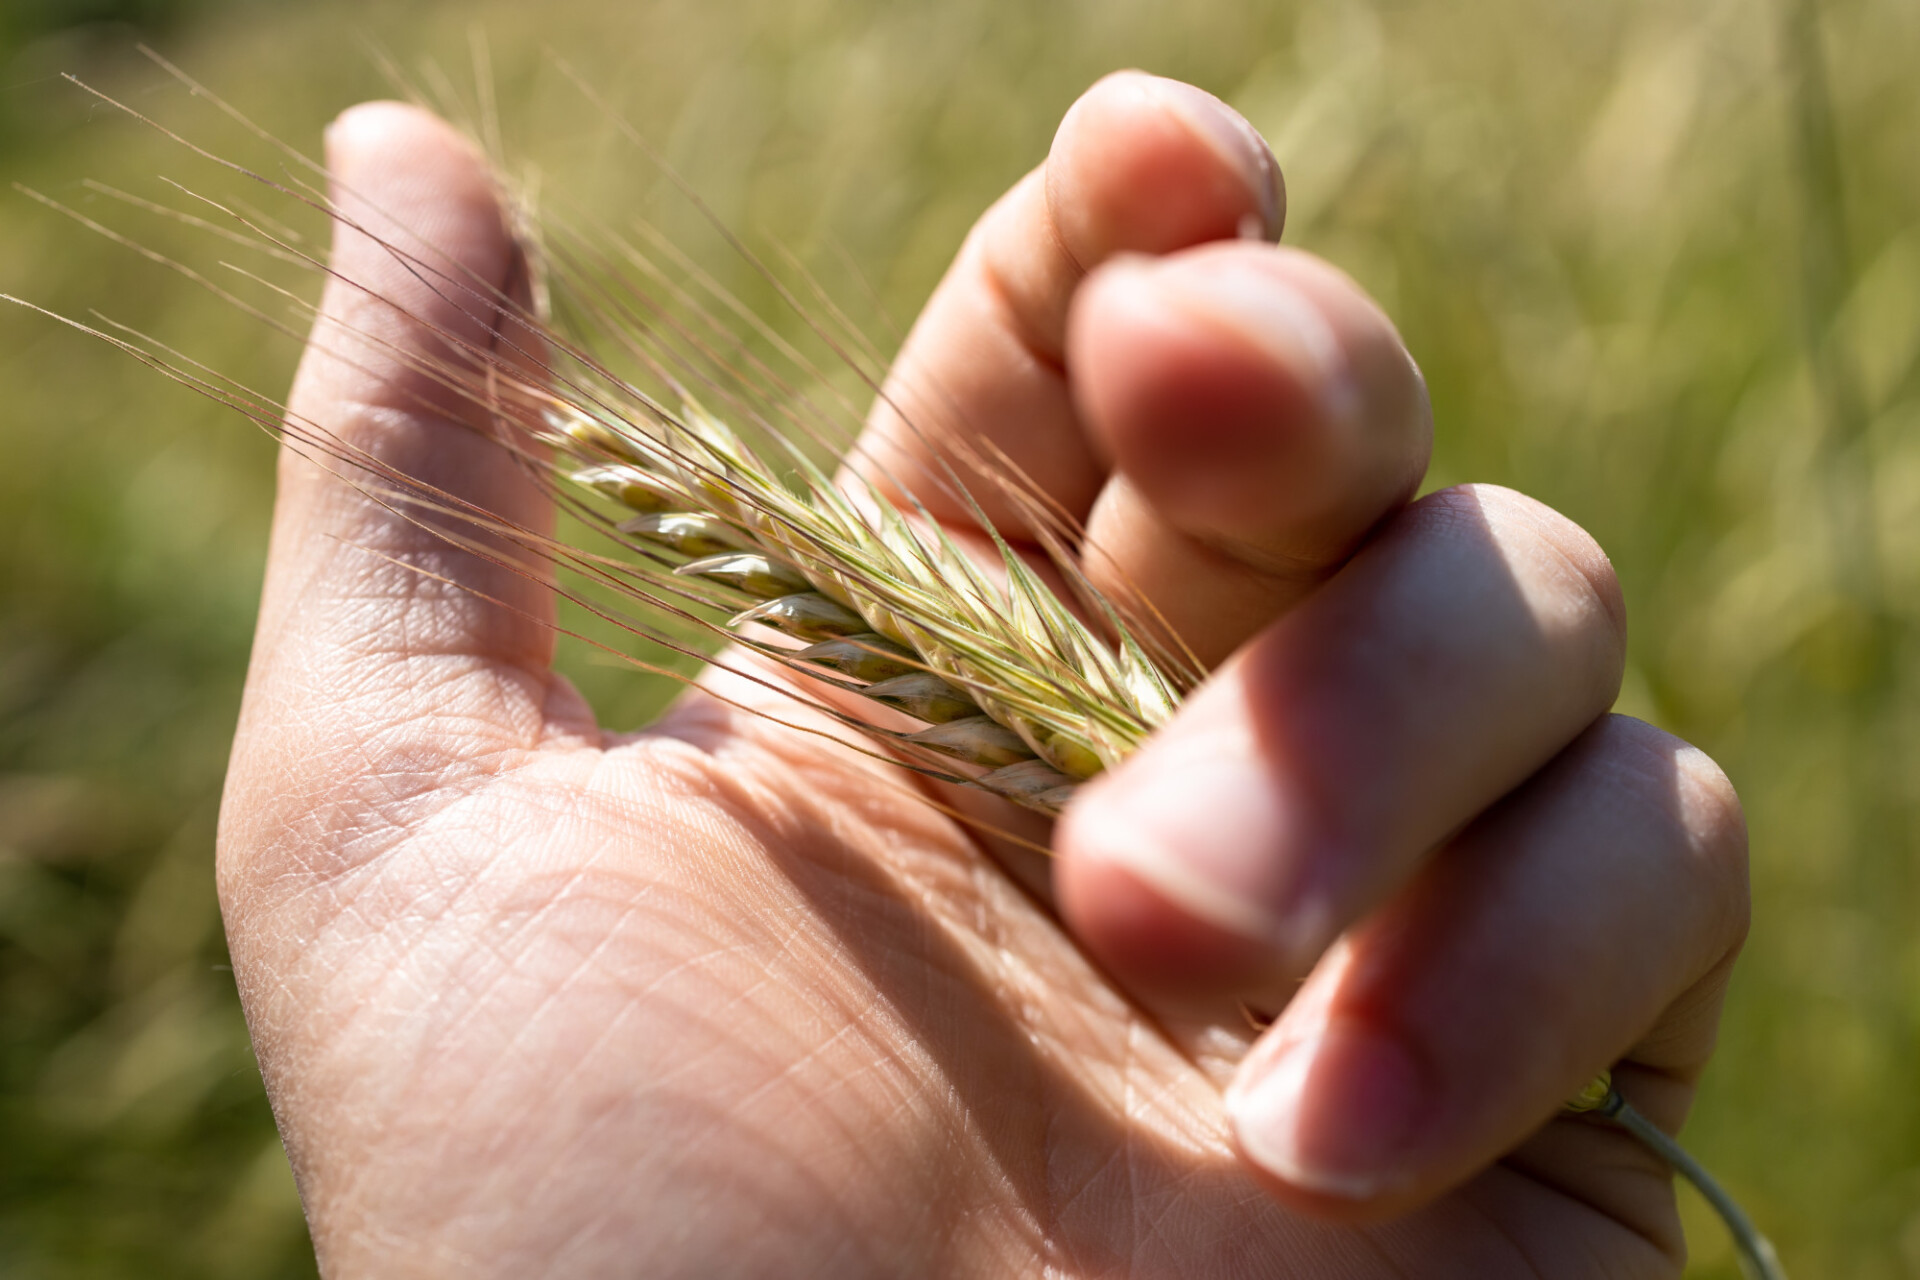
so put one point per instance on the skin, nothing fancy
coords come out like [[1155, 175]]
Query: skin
[[535, 998]]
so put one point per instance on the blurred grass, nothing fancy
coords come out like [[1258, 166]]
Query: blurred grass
[[1660, 263]]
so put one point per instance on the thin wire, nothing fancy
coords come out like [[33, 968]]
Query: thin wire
[[1758, 1261]]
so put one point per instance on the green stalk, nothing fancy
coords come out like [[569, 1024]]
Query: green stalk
[[1758, 1261]]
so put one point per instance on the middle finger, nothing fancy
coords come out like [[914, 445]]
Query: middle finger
[[1456, 654], [1262, 416]]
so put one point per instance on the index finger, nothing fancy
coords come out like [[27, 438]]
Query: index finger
[[1140, 164]]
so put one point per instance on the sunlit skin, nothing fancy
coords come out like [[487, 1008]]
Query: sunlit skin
[[722, 999]]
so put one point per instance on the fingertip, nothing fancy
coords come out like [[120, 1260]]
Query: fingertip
[[403, 176], [1239, 145], [1143, 164], [1251, 392], [422, 246], [1218, 390], [384, 125], [1183, 869], [1336, 1116], [1145, 937]]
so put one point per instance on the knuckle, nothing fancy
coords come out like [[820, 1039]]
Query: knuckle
[[1714, 802], [1579, 551], [1567, 556], [1706, 828], [1716, 831]]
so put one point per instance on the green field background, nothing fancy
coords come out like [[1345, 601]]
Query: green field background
[[1659, 261]]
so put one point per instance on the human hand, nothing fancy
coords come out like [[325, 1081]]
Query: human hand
[[531, 997]]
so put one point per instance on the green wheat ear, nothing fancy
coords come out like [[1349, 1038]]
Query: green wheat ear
[[1001, 674]]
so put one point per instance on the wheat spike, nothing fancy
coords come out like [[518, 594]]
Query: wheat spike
[[1005, 675]]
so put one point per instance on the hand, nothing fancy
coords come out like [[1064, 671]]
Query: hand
[[531, 998]]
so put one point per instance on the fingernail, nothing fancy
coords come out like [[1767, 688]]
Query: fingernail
[[1228, 133], [1335, 1113], [1205, 823], [1273, 313]]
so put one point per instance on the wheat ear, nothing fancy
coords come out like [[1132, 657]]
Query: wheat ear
[[1001, 672]]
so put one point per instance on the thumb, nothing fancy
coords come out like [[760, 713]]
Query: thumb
[[382, 645]]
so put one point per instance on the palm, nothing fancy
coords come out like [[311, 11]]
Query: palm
[[701, 979], [715, 1000]]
